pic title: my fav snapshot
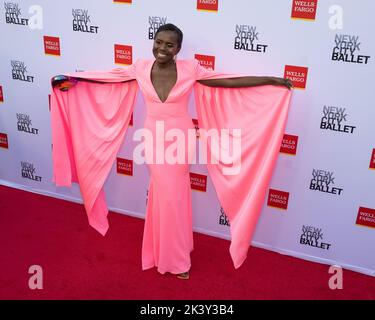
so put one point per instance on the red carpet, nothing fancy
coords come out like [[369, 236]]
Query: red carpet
[[78, 263]]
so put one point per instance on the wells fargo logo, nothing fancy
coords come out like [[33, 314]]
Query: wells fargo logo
[[208, 5], [289, 144], [123, 54], [4, 141], [372, 161], [52, 45], [305, 10], [206, 61], [198, 181], [278, 199], [125, 166], [366, 217], [1, 94], [298, 75]]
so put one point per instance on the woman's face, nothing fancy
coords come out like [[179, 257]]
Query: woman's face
[[165, 46]]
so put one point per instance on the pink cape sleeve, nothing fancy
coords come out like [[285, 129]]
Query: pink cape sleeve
[[89, 123], [260, 112]]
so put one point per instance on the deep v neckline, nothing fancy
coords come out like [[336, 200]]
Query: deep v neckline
[[152, 85]]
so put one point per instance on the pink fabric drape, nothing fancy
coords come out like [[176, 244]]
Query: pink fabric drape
[[90, 120]]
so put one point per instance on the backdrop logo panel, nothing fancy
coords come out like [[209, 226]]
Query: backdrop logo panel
[[51, 45], [24, 124], [206, 61], [208, 5], [247, 38], [123, 54], [223, 219], [28, 171], [289, 144], [366, 217], [278, 199], [298, 75], [1, 94], [313, 237], [82, 21], [4, 140], [372, 160], [322, 181], [125, 166], [333, 118], [198, 181], [13, 14], [19, 71], [346, 49], [154, 24], [304, 9]]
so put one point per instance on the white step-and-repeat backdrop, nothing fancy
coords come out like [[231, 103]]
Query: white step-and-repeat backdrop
[[320, 205]]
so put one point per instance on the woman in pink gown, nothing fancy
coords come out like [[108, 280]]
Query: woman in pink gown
[[166, 84]]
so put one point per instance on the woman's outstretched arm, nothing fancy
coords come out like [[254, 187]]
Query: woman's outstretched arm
[[247, 82]]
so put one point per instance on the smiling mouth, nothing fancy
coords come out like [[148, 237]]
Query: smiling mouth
[[161, 55]]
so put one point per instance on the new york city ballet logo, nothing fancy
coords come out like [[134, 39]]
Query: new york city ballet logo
[[28, 171], [372, 160], [323, 181], [19, 71], [223, 219], [154, 24], [305, 10], [346, 49], [24, 124], [313, 237], [51, 45], [278, 199], [125, 166], [123, 54], [366, 217], [175, 146], [1, 94], [296, 74], [289, 144], [4, 140], [334, 119], [247, 38], [82, 21], [13, 14], [208, 5], [206, 61]]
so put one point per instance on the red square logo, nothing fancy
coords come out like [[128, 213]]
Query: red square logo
[[372, 161], [304, 9], [278, 199], [122, 1], [52, 45], [298, 75], [289, 144], [206, 61], [125, 166], [1, 94], [123, 54], [208, 5], [198, 181], [4, 140], [366, 217]]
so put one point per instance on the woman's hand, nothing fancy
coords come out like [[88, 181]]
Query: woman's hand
[[283, 82], [62, 82]]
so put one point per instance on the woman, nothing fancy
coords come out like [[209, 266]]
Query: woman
[[166, 84]]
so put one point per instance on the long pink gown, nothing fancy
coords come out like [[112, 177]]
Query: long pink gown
[[89, 123]]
